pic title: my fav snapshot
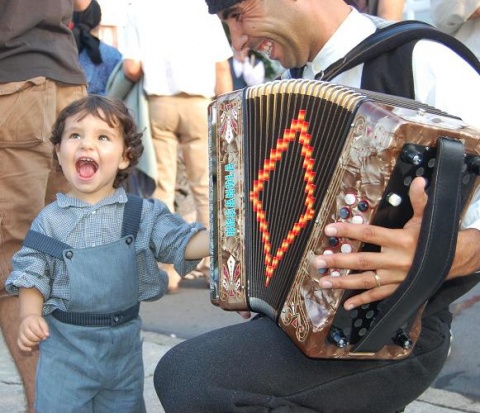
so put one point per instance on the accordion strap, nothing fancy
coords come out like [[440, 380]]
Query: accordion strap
[[392, 36], [435, 250]]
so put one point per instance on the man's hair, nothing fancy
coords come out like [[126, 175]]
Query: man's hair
[[214, 6], [115, 114]]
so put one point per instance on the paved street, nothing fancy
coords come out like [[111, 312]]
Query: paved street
[[189, 313]]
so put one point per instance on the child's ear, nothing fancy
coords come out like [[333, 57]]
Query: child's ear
[[57, 151], [125, 162]]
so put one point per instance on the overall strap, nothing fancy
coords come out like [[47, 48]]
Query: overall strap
[[45, 244], [132, 215], [55, 248]]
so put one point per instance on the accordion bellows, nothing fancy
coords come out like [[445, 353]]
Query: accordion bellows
[[287, 158]]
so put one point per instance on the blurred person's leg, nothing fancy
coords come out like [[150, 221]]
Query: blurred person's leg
[[29, 110], [194, 140], [164, 120]]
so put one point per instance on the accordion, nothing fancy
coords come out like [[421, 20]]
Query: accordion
[[289, 157]]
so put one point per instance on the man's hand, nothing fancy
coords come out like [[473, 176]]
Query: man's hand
[[379, 273]]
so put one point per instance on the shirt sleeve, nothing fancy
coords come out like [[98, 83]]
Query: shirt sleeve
[[452, 88], [170, 236], [449, 15], [31, 269]]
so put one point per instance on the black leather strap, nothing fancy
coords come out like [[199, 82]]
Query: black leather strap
[[435, 250], [392, 36]]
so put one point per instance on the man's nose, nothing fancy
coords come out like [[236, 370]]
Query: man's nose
[[238, 37]]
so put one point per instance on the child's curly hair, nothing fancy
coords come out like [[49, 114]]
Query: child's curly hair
[[114, 113]]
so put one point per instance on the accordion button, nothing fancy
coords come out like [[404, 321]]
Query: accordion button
[[363, 206], [335, 273], [357, 219], [333, 241], [346, 248], [350, 198], [344, 212], [394, 199]]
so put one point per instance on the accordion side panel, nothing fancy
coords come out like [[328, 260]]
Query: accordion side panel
[[227, 281], [364, 171]]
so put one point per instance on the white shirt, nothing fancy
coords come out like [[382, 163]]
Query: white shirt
[[253, 70], [452, 17], [178, 43], [441, 78]]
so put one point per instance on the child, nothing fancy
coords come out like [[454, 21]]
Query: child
[[88, 261]]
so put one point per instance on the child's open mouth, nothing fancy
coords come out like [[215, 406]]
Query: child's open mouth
[[86, 167]]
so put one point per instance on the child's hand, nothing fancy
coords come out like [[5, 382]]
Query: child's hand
[[33, 329]]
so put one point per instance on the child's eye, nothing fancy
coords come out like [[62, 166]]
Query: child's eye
[[74, 136], [103, 138]]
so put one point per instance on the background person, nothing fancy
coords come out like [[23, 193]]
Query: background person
[[460, 19], [97, 58], [182, 74], [255, 366], [386, 9], [246, 69], [39, 76]]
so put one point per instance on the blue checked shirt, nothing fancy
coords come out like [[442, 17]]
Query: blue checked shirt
[[162, 237]]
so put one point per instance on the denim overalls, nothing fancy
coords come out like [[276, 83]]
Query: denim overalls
[[92, 361]]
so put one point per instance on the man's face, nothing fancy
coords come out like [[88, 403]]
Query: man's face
[[268, 27]]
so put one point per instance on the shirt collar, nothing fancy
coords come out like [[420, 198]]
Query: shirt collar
[[65, 201], [355, 28]]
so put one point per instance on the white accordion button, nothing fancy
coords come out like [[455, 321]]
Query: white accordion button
[[335, 273], [350, 198], [346, 248], [357, 219], [394, 199]]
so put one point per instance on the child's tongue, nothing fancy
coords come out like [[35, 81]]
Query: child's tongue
[[86, 169]]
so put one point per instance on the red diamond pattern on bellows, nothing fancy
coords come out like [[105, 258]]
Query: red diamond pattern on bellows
[[298, 126]]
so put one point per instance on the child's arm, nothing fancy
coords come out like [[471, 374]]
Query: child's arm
[[33, 327], [198, 246]]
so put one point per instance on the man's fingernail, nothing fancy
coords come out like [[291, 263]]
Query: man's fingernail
[[330, 230], [320, 263], [325, 284]]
